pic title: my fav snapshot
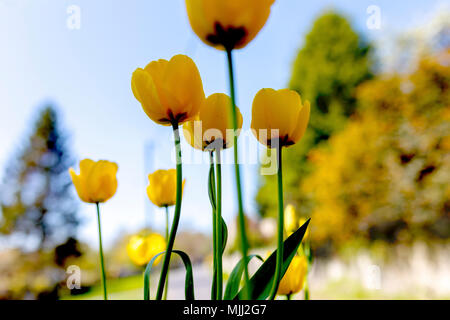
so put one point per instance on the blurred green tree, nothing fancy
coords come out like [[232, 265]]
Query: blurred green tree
[[38, 216], [332, 63], [36, 199]]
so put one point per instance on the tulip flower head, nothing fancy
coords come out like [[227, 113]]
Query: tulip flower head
[[291, 221], [294, 278], [96, 182], [162, 188], [169, 91], [279, 117], [229, 24], [212, 128], [141, 249]]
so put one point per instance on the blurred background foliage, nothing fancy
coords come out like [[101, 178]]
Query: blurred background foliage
[[385, 176], [374, 164], [372, 170]]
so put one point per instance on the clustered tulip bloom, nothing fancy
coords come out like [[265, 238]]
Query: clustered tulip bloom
[[281, 115], [213, 123], [230, 24], [141, 249], [162, 188], [96, 182], [169, 91], [294, 278]]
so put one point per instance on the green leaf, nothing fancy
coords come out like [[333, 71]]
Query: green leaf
[[224, 235], [224, 244], [234, 280], [189, 281], [261, 282], [212, 188]]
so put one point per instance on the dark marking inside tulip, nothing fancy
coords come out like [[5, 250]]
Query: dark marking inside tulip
[[214, 144], [281, 142], [230, 37], [174, 118]]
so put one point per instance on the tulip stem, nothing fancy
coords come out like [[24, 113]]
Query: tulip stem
[[219, 285], [167, 239], [241, 221], [105, 295], [211, 168], [176, 216], [307, 253], [279, 261], [306, 288]]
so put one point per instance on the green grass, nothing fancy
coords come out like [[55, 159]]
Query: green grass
[[131, 288], [128, 288]]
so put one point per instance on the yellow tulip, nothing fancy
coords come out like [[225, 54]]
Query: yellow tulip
[[230, 24], [162, 188], [169, 91], [291, 221], [96, 182], [279, 114], [141, 249], [212, 123], [295, 275]]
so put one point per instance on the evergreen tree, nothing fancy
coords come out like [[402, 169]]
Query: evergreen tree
[[36, 201], [332, 63]]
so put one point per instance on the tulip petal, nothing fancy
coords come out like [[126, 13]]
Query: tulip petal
[[234, 21], [162, 187], [275, 110], [199, 21], [79, 185], [302, 122], [145, 91], [185, 83]]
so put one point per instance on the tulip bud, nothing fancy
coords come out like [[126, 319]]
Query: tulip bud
[[291, 221], [294, 278], [279, 118], [229, 24], [212, 128], [96, 182], [141, 249], [162, 188], [169, 91]]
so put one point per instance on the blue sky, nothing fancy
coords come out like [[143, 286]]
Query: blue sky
[[87, 73]]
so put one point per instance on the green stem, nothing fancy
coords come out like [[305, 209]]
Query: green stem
[[176, 216], [241, 218], [219, 285], [306, 288], [307, 252], [279, 261], [102, 263], [213, 288], [167, 240]]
